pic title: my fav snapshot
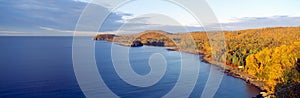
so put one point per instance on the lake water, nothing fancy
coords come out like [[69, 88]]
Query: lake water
[[42, 67]]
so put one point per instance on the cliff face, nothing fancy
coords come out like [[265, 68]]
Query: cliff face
[[136, 44]]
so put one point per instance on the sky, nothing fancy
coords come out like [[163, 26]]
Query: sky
[[59, 17]]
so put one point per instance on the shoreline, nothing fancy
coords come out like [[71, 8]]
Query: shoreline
[[228, 70]]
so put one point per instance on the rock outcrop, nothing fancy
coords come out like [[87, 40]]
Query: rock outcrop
[[137, 44]]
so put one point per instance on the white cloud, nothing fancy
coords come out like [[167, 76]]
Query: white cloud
[[260, 22]]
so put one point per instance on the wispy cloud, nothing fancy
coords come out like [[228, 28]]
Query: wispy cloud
[[30, 15]]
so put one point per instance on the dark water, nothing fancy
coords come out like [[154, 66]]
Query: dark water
[[42, 67]]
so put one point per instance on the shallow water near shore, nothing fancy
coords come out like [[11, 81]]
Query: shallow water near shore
[[42, 67]]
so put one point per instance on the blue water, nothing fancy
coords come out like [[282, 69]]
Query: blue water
[[42, 67]]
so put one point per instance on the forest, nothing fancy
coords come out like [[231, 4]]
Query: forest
[[269, 55]]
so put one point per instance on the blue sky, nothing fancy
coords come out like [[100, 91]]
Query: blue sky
[[59, 17]]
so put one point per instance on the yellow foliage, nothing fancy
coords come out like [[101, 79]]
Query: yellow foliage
[[273, 64]]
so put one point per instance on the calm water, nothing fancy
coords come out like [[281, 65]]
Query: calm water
[[42, 67]]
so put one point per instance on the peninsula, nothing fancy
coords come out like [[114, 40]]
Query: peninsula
[[268, 58]]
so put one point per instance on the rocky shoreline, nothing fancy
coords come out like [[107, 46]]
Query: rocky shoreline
[[228, 70], [236, 73]]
